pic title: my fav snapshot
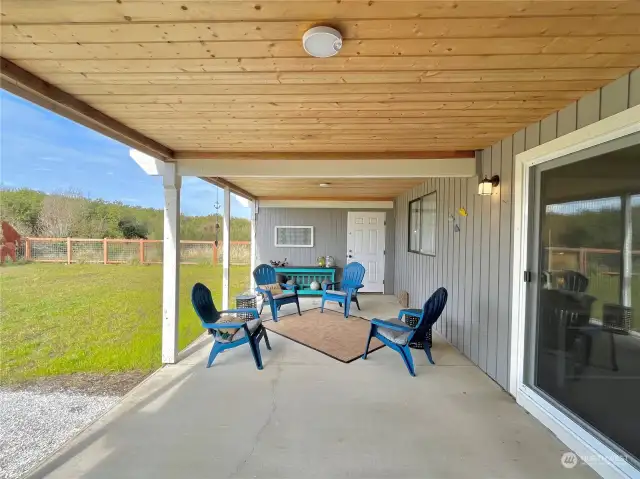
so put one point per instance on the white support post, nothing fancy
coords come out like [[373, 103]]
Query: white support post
[[171, 264], [226, 247], [254, 213], [626, 269]]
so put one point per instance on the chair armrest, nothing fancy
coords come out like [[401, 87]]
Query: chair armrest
[[266, 292], [409, 312], [223, 325], [325, 286], [389, 325], [253, 311]]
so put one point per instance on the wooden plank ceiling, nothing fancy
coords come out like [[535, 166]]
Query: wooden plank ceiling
[[333, 188], [232, 75]]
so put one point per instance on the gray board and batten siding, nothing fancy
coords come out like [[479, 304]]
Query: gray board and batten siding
[[475, 263], [330, 237]]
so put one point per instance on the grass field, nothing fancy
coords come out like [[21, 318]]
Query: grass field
[[57, 319]]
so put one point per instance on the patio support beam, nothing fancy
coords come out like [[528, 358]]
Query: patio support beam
[[626, 269], [171, 264], [254, 215], [24, 84], [226, 247], [222, 183]]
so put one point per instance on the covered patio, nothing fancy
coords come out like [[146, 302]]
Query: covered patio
[[309, 415], [423, 99]]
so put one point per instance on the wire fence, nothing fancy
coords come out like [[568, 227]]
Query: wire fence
[[114, 251]]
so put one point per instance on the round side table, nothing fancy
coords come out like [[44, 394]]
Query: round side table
[[245, 301]]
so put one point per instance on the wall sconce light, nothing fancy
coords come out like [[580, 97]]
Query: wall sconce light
[[486, 186]]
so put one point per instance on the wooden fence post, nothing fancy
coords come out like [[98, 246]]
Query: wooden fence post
[[105, 251], [69, 250], [141, 251], [27, 249]]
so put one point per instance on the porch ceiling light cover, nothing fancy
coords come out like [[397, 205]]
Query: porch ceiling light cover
[[322, 42]]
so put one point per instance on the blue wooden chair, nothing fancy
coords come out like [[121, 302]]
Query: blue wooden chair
[[250, 332], [266, 274], [396, 334], [347, 291]]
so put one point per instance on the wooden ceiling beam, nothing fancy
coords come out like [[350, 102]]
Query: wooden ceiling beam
[[222, 183], [322, 156], [28, 86]]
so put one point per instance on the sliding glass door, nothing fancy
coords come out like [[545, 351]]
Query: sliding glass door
[[584, 323]]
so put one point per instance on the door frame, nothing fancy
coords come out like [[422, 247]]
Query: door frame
[[384, 239], [599, 456]]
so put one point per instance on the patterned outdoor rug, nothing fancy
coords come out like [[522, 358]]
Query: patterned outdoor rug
[[328, 333]]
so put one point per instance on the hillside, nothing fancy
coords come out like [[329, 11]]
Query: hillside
[[34, 213]]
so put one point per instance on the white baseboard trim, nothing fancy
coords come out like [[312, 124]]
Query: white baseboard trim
[[595, 453]]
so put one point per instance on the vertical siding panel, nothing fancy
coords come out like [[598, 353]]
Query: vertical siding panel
[[634, 88], [589, 109], [504, 263], [472, 189], [548, 128], [462, 273], [476, 288], [443, 245], [494, 260], [445, 256], [485, 264], [532, 137], [432, 261], [455, 259], [450, 256], [567, 119], [614, 97]]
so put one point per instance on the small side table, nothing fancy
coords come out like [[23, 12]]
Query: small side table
[[413, 322], [246, 301]]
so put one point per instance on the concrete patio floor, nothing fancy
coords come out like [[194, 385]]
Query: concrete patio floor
[[309, 416]]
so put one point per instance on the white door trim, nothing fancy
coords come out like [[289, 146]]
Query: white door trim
[[382, 245], [604, 460]]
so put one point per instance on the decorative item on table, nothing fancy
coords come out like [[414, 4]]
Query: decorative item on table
[[292, 282], [330, 261], [279, 264], [326, 281], [314, 285], [321, 261]]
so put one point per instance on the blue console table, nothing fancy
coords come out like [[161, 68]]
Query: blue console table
[[305, 275]]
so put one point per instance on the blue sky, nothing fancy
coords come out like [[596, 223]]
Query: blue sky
[[46, 152]]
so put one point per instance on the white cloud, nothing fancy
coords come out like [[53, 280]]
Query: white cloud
[[242, 200]]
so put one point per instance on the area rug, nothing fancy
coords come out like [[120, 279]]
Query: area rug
[[328, 333]]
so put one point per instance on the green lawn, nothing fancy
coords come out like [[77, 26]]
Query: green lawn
[[57, 319]]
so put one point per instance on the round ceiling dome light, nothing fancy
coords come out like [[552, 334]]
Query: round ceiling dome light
[[322, 42]]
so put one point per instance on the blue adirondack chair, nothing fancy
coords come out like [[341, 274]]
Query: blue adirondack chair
[[266, 274], [396, 334], [250, 332], [347, 289]]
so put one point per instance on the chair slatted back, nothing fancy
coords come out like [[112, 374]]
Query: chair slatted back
[[574, 281], [264, 274], [431, 311], [352, 275], [203, 304]]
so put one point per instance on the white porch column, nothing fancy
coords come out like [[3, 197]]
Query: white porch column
[[226, 247], [171, 264], [254, 212], [626, 269]]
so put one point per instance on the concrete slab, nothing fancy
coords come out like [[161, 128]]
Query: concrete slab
[[307, 415]]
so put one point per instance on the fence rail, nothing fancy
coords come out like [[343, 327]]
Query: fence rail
[[114, 251]]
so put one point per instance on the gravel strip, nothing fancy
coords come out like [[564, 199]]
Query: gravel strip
[[34, 423]]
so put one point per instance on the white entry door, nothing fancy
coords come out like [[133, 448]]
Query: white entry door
[[365, 244]]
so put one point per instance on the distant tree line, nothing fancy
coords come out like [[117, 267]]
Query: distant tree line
[[34, 213]]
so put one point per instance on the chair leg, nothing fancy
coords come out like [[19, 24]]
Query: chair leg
[[215, 349], [340, 304], [322, 305], [274, 311], [357, 303], [427, 349], [408, 359], [255, 351], [298, 305], [266, 338], [261, 307], [366, 348], [347, 307], [614, 361]]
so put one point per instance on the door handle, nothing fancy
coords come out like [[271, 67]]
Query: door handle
[[349, 256]]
